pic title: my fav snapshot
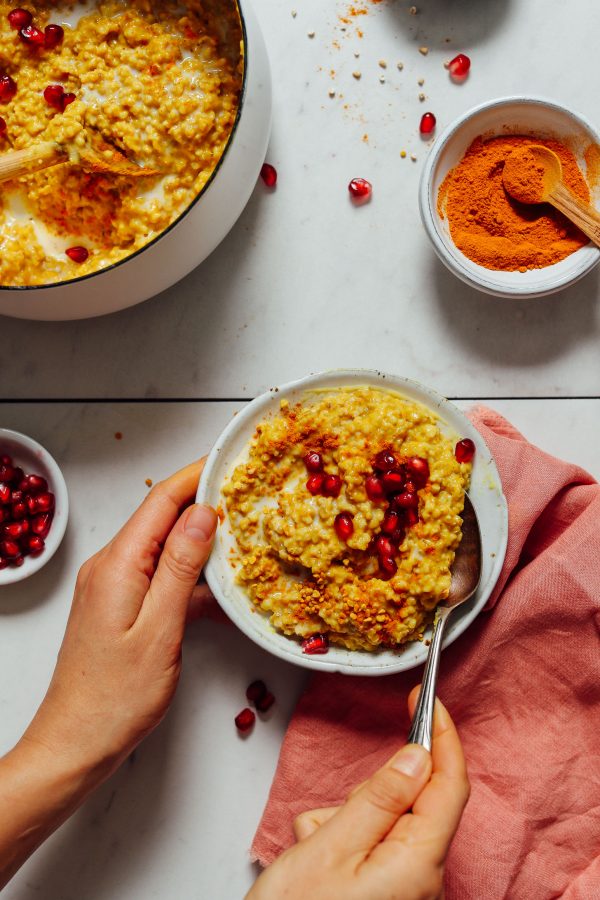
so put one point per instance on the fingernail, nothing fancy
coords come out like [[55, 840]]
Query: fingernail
[[200, 523], [413, 760]]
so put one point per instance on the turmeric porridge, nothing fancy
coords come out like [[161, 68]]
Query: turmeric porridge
[[159, 81], [346, 518]]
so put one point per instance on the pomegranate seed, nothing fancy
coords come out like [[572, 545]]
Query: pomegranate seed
[[315, 644], [391, 521], [53, 95], [19, 510], [384, 461], [360, 189], [266, 702], [256, 691], [18, 561], [383, 545], [344, 526], [269, 175], [418, 470], [314, 484], [313, 461], [41, 523], [7, 473], [406, 500], [53, 36], [35, 544], [19, 18], [3, 563], [66, 100], [464, 450], [427, 123], [9, 549], [32, 36], [6, 460], [16, 530], [459, 66], [388, 566], [8, 88], [3, 127], [45, 501], [398, 535], [392, 482], [31, 504], [5, 493], [411, 516], [18, 477], [78, 254], [245, 720], [374, 488], [332, 485], [35, 484]]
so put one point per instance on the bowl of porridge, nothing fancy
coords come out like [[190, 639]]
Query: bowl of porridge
[[179, 89], [340, 499]]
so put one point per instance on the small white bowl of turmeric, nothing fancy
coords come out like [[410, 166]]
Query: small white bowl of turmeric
[[482, 235]]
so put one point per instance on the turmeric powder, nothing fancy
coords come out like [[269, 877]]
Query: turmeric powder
[[494, 230]]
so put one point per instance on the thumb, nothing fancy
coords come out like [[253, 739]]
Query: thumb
[[185, 552], [370, 813]]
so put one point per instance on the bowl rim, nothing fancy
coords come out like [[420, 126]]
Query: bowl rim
[[120, 262], [59, 525], [484, 280], [290, 650]]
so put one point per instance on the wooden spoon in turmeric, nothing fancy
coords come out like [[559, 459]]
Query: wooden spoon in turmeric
[[533, 174]]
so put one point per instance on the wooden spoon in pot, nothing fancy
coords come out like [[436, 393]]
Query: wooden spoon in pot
[[533, 174], [97, 156]]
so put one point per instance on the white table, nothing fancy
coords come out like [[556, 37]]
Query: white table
[[304, 282]]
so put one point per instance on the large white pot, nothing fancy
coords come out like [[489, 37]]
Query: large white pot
[[194, 235]]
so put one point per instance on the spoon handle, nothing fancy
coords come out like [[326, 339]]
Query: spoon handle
[[17, 163], [582, 214], [422, 724]]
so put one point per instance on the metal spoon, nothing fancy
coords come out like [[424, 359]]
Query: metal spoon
[[96, 155], [466, 573], [546, 185]]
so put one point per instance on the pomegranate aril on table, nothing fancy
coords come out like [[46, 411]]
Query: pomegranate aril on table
[[459, 66], [464, 450], [255, 691], [428, 123], [245, 720], [344, 526], [360, 189], [19, 18], [268, 173], [265, 702], [315, 644]]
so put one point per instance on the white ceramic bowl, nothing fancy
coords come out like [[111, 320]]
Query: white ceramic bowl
[[509, 115], [485, 492], [32, 457], [195, 234]]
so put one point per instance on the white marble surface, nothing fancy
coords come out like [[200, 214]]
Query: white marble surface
[[305, 281], [177, 822]]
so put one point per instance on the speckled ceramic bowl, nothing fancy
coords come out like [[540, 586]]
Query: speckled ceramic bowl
[[485, 492], [32, 457], [509, 115]]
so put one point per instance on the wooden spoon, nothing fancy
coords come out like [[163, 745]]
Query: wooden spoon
[[97, 155], [466, 574], [533, 174]]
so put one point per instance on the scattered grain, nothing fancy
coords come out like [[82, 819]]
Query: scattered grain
[[424, 50]]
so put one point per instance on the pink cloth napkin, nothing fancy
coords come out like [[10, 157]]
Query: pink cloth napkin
[[523, 686]]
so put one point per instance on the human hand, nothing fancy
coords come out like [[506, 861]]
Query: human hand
[[390, 838], [119, 663]]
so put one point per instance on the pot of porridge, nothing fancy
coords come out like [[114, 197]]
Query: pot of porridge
[[182, 90]]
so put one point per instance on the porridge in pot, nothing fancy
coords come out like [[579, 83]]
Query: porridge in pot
[[346, 517], [160, 81]]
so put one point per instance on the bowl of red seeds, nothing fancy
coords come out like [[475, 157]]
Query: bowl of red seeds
[[34, 506]]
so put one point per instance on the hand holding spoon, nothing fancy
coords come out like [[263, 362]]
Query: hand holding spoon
[[466, 573], [533, 174]]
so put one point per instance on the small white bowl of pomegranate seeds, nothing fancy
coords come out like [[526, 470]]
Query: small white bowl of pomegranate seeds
[[532, 117], [315, 651], [34, 506]]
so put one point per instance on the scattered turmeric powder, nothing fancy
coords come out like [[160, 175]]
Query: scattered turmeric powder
[[494, 230]]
